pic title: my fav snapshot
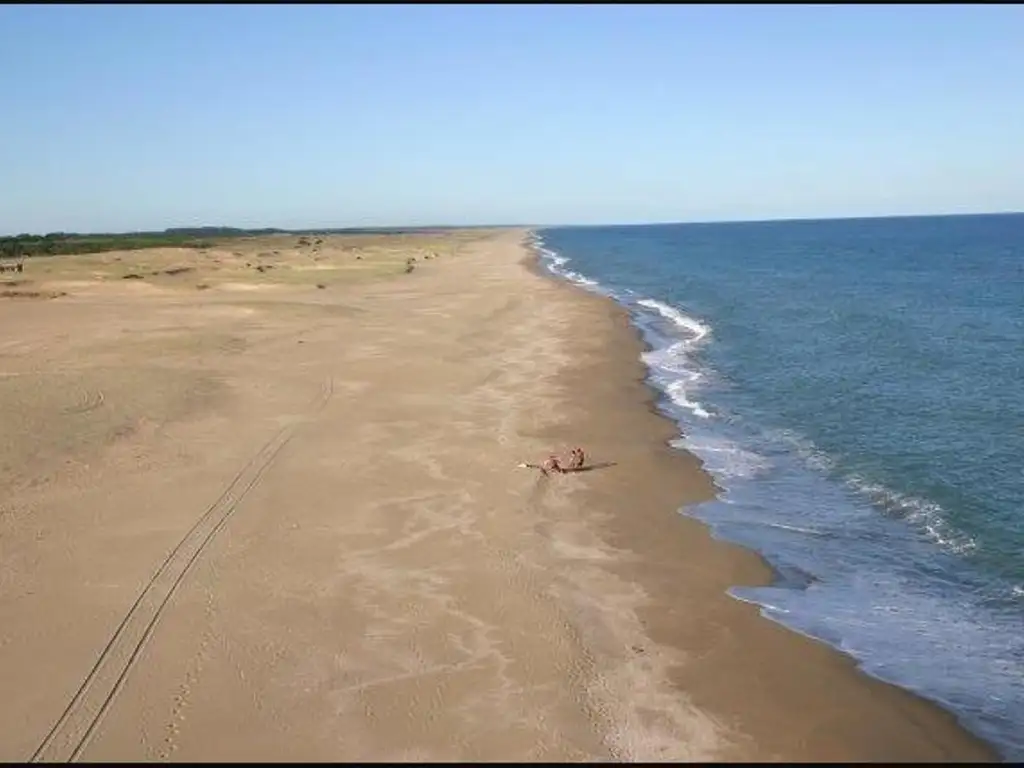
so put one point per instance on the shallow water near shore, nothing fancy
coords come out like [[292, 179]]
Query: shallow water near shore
[[853, 388]]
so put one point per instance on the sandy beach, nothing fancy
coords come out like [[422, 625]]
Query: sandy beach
[[262, 502]]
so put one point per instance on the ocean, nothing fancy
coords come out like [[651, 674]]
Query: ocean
[[856, 389]]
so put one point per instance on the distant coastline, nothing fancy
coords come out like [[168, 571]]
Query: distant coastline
[[26, 245]]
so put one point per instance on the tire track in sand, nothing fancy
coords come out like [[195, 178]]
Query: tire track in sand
[[78, 723]]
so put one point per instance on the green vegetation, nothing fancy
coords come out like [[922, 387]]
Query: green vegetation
[[55, 243]]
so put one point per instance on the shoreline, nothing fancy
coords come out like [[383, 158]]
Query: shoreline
[[324, 457], [752, 570]]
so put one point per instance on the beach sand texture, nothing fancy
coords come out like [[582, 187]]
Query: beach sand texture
[[244, 517]]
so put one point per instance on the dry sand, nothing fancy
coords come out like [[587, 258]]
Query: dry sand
[[266, 521]]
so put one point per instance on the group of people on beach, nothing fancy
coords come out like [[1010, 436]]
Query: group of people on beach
[[552, 463]]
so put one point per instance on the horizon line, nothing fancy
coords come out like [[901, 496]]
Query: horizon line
[[780, 220]]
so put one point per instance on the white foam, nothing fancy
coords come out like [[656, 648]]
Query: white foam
[[556, 264], [677, 386], [794, 528], [553, 257], [804, 448], [724, 458], [697, 330], [674, 370], [674, 359], [760, 602], [579, 279], [927, 516], [676, 391]]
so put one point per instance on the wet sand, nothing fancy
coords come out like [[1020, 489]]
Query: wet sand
[[247, 518]]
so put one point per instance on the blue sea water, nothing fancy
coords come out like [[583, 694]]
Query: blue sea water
[[856, 389]]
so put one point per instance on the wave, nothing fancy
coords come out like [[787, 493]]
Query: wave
[[794, 529], [555, 264], [926, 516], [696, 330], [723, 458], [809, 453], [674, 370], [671, 362]]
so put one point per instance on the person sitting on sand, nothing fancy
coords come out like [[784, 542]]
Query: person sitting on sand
[[576, 459]]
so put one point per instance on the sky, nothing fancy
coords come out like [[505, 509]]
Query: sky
[[137, 117]]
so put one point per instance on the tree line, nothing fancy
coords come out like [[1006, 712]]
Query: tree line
[[55, 243]]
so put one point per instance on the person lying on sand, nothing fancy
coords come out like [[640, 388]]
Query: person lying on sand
[[552, 464]]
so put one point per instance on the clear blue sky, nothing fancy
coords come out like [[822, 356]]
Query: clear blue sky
[[138, 117]]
